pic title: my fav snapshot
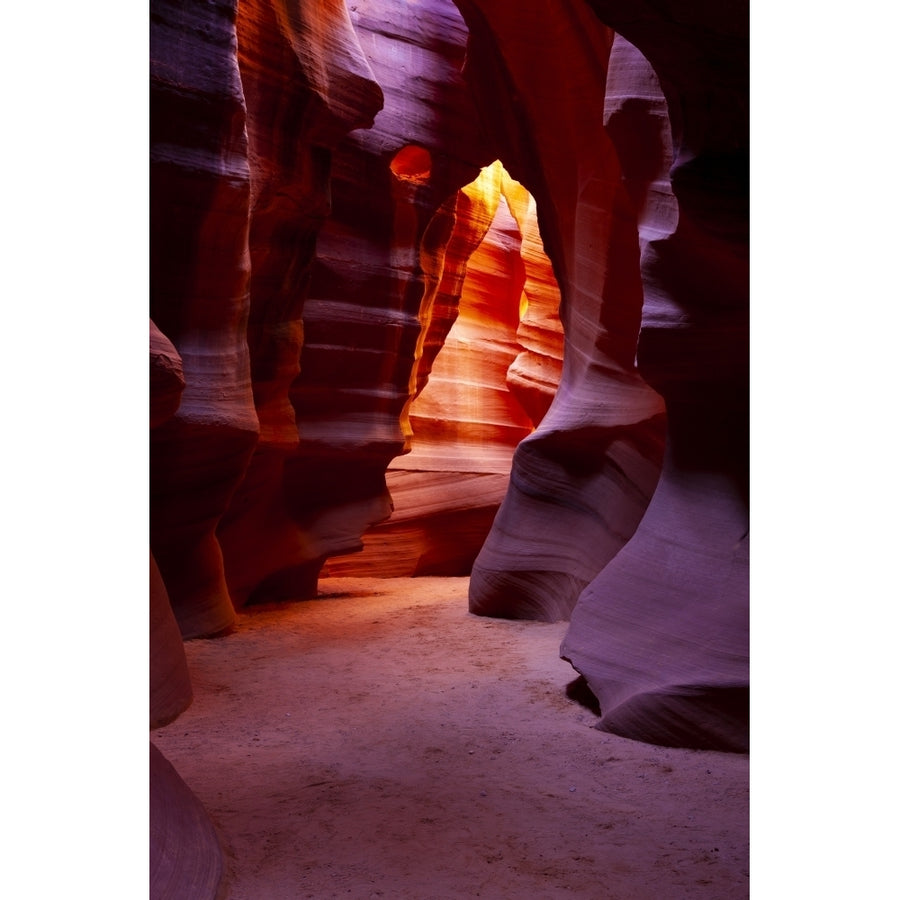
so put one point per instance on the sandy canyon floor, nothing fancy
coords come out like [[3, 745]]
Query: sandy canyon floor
[[380, 741]]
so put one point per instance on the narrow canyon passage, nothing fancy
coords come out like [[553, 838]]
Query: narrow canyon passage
[[367, 359], [381, 741], [490, 364]]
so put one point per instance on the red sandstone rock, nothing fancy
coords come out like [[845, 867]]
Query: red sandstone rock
[[166, 377], [467, 420], [317, 479], [199, 267], [466, 409], [535, 373], [306, 83], [186, 861], [170, 683], [661, 632], [176, 817], [581, 482]]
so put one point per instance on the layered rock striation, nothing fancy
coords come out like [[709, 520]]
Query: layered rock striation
[[317, 479], [494, 319], [656, 158], [199, 298], [186, 860], [662, 634], [185, 857], [307, 84], [581, 482]]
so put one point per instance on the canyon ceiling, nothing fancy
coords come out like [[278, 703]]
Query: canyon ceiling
[[483, 265]]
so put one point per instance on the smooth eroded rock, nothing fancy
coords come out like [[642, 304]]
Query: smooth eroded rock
[[199, 274], [662, 634], [186, 860], [581, 482]]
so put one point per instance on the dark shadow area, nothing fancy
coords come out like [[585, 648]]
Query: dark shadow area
[[579, 691]]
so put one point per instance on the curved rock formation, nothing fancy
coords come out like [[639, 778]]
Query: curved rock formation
[[466, 409], [166, 377], [186, 862], [199, 268], [661, 635], [466, 418], [170, 683], [317, 479], [535, 373], [307, 83], [185, 857], [591, 466], [661, 632]]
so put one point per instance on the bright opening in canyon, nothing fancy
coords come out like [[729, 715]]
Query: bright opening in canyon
[[489, 366]]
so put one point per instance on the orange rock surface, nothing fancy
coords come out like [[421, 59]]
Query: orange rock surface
[[495, 322], [581, 482], [317, 479]]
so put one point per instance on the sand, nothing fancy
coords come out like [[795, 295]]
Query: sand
[[380, 741]]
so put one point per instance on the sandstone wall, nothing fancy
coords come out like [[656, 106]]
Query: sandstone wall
[[538, 73], [199, 279], [495, 321], [344, 315], [644, 167], [662, 635]]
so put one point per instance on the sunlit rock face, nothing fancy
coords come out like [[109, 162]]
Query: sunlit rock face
[[582, 481], [536, 371], [317, 479], [494, 321], [662, 633]]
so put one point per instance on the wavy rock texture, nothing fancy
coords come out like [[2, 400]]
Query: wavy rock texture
[[661, 635], [307, 84], [317, 480], [494, 319], [166, 377], [185, 857], [582, 481], [199, 265], [170, 682], [186, 861], [535, 373]]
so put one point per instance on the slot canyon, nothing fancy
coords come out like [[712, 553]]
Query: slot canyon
[[449, 432]]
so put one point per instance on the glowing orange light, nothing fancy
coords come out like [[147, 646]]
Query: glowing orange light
[[412, 163]]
